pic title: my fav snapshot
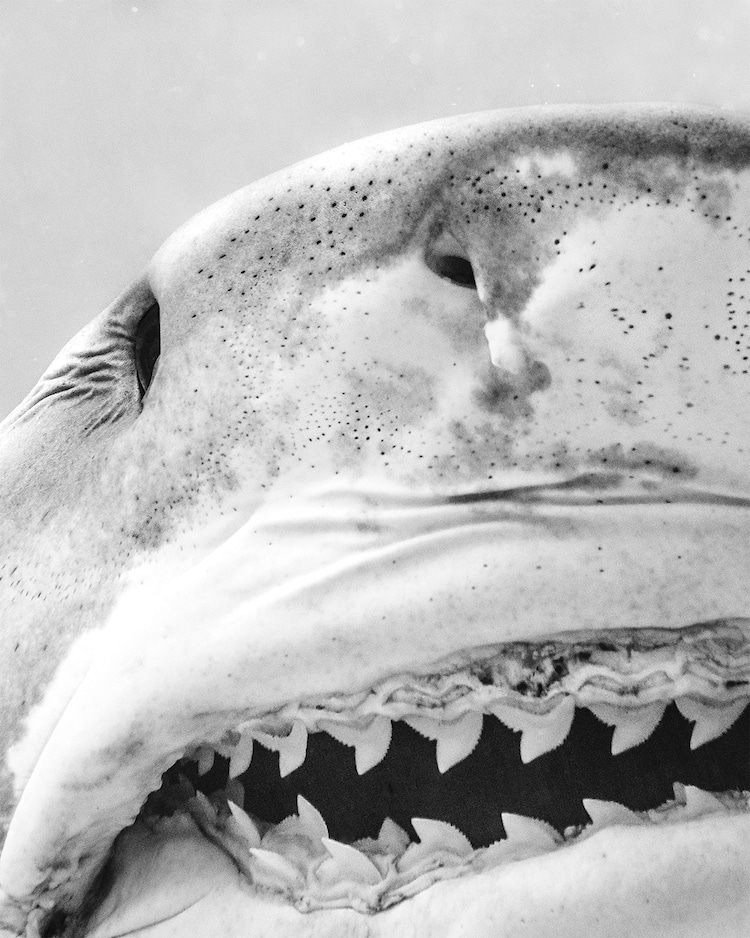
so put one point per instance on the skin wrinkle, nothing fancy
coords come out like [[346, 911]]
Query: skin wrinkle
[[306, 343]]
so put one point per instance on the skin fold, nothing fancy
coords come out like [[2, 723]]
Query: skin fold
[[476, 381]]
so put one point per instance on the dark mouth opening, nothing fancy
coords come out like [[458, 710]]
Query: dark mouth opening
[[473, 794]]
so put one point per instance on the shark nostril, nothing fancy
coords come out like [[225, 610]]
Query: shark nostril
[[453, 267], [147, 347]]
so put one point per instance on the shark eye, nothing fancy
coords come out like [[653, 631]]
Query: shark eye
[[454, 268], [447, 258], [147, 347]]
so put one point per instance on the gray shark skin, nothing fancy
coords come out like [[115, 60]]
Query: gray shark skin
[[477, 382]]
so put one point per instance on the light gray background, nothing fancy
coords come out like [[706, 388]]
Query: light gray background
[[118, 120]]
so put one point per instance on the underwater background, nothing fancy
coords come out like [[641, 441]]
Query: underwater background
[[119, 120]]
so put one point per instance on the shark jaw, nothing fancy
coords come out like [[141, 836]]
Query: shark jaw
[[541, 753], [386, 446]]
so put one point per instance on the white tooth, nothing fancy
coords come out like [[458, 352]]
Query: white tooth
[[455, 739], [292, 749], [609, 813], [633, 726], [370, 743], [311, 820], [697, 802], [439, 835], [235, 792], [392, 838], [352, 864], [527, 831], [540, 732], [458, 740], [245, 824], [241, 756], [435, 837], [269, 862], [206, 756], [710, 722]]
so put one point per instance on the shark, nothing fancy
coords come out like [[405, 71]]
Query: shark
[[377, 563]]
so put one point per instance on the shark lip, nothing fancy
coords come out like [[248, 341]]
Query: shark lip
[[644, 730]]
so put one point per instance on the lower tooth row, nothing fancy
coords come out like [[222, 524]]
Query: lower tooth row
[[456, 739], [298, 855]]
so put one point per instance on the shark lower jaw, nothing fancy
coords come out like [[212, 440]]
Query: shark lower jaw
[[626, 753]]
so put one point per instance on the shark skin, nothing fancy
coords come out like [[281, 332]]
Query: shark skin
[[478, 381]]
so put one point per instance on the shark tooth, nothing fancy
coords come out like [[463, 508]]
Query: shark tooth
[[205, 759], [392, 838], [245, 825], [272, 864], [696, 801], [609, 813], [540, 732], [235, 791], [529, 832], [456, 739], [440, 835], [311, 820], [436, 838], [633, 726], [352, 864], [241, 756], [370, 744], [292, 748], [710, 722]]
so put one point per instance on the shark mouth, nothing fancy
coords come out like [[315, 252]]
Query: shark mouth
[[363, 800]]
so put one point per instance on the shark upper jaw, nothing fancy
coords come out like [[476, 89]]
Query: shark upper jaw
[[349, 465]]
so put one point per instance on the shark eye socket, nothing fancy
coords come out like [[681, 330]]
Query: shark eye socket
[[446, 257], [147, 347], [454, 268]]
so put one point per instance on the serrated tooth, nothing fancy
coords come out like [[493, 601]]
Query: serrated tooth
[[435, 837], [241, 756], [440, 835], [540, 732], [268, 862], [245, 824], [696, 801], [235, 791], [609, 813], [710, 722], [292, 748], [352, 864], [205, 758], [456, 739], [370, 743], [529, 832], [312, 821], [392, 838], [633, 726]]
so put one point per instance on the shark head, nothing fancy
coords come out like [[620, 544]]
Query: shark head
[[378, 562]]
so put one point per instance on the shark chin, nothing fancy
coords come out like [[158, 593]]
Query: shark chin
[[377, 563]]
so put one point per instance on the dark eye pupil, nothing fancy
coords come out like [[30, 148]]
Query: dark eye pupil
[[456, 269], [147, 347]]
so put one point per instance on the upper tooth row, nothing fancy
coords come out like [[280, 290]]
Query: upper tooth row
[[456, 739]]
